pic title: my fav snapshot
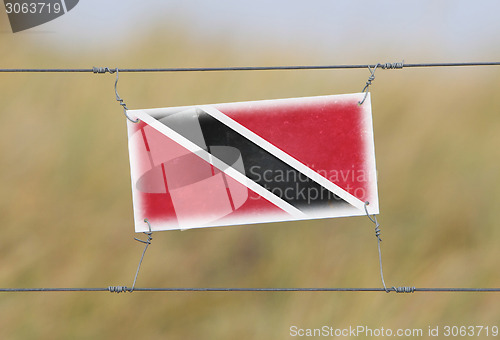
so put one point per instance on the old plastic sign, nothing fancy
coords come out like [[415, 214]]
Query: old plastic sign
[[252, 162]]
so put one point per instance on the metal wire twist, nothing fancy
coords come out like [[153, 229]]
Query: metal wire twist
[[102, 70], [371, 78], [123, 289], [392, 66], [368, 83], [377, 234], [373, 218], [147, 242], [404, 289], [120, 100], [118, 289]]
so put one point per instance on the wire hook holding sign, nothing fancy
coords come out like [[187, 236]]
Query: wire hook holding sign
[[385, 66], [118, 98], [367, 85], [373, 218], [122, 289], [147, 242], [377, 235]]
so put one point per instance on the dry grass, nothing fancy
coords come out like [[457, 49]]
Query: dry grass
[[66, 217]]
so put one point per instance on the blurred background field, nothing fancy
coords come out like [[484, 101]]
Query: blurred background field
[[66, 209]]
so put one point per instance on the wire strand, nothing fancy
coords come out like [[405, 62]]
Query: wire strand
[[249, 68], [174, 289]]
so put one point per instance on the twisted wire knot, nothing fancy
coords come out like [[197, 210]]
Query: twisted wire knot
[[374, 220], [369, 81], [118, 289], [403, 289], [378, 232], [103, 70], [385, 66], [392, 66]]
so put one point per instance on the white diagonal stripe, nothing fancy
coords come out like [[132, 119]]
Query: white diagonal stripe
[[64, 6], [261, 142], [235, 174]]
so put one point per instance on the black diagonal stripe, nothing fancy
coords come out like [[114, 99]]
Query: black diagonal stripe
[[264, 168]]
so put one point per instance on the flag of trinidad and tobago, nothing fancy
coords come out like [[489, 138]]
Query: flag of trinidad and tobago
[[252, 162]]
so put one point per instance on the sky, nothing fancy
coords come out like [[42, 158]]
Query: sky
[[448, 30]]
